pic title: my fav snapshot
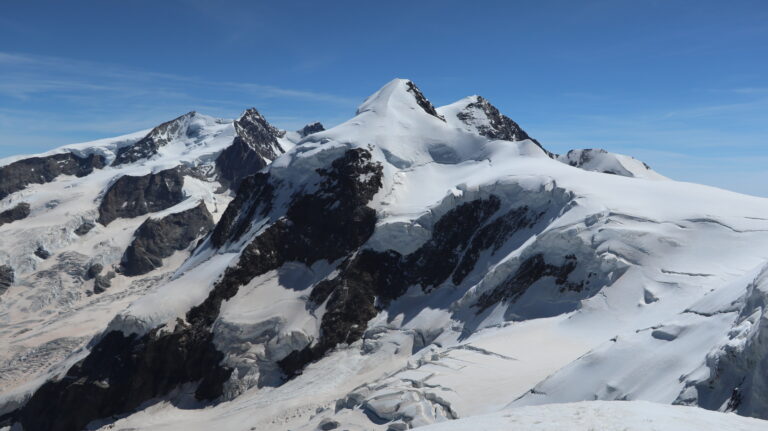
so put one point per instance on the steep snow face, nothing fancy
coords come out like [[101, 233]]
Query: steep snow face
[[610, 163], [416, 265]]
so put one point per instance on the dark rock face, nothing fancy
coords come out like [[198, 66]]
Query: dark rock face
[[328, 425], [531, 270], [425, 104], [311, 128], [6, 278], [501, 127], [122, 372], [102, 282], [20, 211], [148, 145], [493, 236], [42, 253], [41, 170], [436, 260], [84, 228], [93, 270], [328, 224], [386, 275], [369, 280], [254, 196], [157, 239], [254, 144], [134, 196]]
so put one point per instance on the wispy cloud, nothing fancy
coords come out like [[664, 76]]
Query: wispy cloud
[[751, 90], [25, 76], [51, 99], [717, 109]]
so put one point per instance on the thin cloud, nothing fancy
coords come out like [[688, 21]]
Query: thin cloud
[[751, 90], [26, 76], [709, 110], [83, 100]]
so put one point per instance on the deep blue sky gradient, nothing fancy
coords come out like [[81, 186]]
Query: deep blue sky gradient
[[682, 85]]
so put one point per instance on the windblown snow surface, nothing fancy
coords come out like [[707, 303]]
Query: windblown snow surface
[[534, 288]]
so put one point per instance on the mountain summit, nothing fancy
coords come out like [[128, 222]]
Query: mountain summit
[[414, 265]]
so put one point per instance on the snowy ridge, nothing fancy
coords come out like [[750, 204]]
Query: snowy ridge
[[106, 147], [610, 163], [414, 266]]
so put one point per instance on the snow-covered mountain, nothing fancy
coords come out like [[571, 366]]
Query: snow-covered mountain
[[411, 266]]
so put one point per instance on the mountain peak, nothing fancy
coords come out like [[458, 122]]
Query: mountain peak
[[398, 94], [187, 126], [311, 128], [255, 130], [476, 114]]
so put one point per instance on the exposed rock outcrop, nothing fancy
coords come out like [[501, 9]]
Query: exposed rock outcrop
[[156, 239], [42, 253], [20, 211], [530, 271], [134, 196], [425, 104], [311, 128], [85, 227], [103, 282], [120, 374], [254, 195], [327, 224], [351, 296], [253, 147], [93, 270], [40, 170], [6, 278], [488, 121]]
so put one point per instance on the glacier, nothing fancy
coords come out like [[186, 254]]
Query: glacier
[[414, 266]]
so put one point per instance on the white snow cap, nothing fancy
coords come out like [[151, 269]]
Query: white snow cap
[[397, 95]]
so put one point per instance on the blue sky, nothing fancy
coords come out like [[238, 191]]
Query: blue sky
[[682, 85]]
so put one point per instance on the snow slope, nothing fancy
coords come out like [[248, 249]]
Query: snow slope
[[419, 265], [597, 415]]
